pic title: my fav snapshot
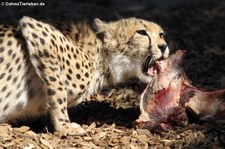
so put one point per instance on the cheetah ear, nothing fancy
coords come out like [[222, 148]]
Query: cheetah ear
[[105, 32], [100, 25], [102, 29]]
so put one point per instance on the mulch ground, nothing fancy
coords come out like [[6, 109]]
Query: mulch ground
[[108, 116]]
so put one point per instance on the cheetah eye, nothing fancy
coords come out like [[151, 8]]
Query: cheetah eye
[[161, 35], [142, 32]]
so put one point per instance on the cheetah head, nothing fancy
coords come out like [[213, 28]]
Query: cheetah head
[[130, 46]]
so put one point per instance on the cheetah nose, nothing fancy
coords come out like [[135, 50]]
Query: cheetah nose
[[162, 47]]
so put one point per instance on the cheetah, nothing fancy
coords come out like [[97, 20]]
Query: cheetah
[[46, 68]]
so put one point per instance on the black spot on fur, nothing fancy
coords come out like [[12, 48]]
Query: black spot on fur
[[10, 52], [67, 83], [15, 79], [4, 88], [86, 66], [8, 94], [75, 56], [14, 55], [68, 77], [18, 94], [10, 70], [51, 62], [7, 65], [70, 93], [18, 85], [86, 75], [68, 62], [77, 51], [78, 76], [67, 47], [72, 49], [60, 119], [44, 34], [61, 48], [70, 71], [77, 65], [9, 43], [74, 85], [2, 75], [69, 56], [82, 86], [59, 101], [77, 36], [52, 28], [31, 25], [63, 65], [5, 107], [33, 44], [53, 42], [42, 41], [39, 25], [54, 68], [9, 77], [61, 39], [62, 110], [59, 88], [46, 29], [1, 49], [51, 92], [53, 79], [1, 59], [64, 99], [18, 68], [53, 36], [2, 35], [64, 107], [17, 60], [46, 53], [59, 57], [34, 35], [42, 67]]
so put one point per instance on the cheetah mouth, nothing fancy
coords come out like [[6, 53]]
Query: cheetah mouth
[[148, 66]]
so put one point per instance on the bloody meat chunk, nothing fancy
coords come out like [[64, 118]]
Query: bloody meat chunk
[[169, 95]]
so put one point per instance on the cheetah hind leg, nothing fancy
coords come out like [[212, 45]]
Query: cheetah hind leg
[[43, 56]]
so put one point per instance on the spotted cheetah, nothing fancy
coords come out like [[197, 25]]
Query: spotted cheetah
[[46, 68]]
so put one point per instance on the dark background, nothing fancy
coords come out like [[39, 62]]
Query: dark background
[[197, 26]]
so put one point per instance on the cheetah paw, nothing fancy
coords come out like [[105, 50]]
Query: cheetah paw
[[72, 129]]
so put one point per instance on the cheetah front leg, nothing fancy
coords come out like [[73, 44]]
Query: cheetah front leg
[[43, 41], [58, 110]]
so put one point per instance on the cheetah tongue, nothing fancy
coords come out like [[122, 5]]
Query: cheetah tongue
[[155, 69]]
